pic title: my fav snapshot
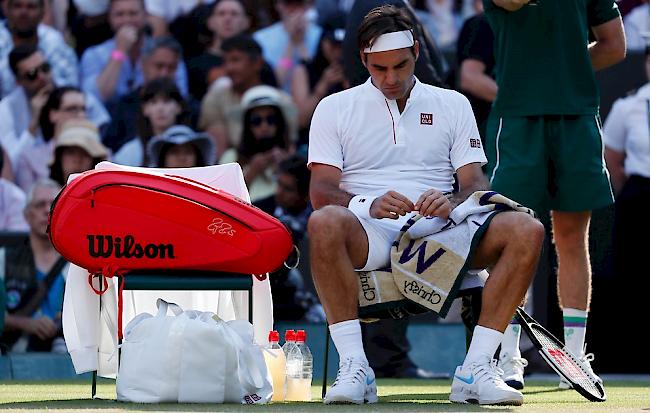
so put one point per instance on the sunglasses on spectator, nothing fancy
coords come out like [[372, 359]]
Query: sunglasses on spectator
[[32, 75], [271, 120]]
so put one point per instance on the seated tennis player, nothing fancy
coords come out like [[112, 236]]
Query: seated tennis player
[[378, 153]]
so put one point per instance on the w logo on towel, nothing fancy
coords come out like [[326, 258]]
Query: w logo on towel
[[423, 262]]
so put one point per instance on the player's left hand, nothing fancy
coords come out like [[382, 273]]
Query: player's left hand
[[433, 203]]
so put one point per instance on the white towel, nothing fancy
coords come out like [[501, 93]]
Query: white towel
[[431, 256]]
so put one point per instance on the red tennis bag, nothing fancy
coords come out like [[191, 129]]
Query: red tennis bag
[[117, 221]]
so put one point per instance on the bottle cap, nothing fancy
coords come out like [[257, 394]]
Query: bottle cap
[[274, 336], [301, 336], [289, 335]]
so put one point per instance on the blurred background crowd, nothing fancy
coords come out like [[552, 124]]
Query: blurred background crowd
[[185, 83]]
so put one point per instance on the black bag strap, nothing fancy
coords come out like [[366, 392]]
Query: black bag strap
[[43, 287]]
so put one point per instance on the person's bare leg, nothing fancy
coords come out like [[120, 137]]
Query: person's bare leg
[[338, 245], [512, 245], [571, 237]]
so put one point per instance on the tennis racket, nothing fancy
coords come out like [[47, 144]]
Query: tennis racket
[[565, 363]]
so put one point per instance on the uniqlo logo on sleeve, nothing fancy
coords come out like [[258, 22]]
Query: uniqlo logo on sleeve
[[426, 118], [475, 143]]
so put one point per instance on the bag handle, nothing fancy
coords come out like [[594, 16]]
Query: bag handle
[[253, 381], [164, 305]]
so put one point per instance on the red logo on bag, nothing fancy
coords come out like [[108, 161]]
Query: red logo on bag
[[219, 226], [426, 118]]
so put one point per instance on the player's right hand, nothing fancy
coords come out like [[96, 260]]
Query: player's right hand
[[391, 205]]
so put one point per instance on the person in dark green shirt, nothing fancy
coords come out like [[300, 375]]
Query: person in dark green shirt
[[544, 134]]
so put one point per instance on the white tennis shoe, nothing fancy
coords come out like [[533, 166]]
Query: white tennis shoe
[[587, 359], [513, 370], [481, 383], [355, 383]]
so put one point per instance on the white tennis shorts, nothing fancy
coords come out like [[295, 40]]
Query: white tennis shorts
[[381, 233]]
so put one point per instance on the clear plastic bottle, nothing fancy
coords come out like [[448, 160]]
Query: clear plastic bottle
[[289, 342], [299, 370], [276, 363]]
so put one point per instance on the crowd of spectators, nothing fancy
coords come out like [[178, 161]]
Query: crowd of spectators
[[182, 83]]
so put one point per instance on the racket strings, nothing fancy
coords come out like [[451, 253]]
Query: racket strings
[[568, 363]]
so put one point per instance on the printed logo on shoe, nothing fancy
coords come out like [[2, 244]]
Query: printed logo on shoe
[[369, 381], [466, 380]]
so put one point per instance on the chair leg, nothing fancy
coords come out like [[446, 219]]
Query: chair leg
[[327, 353], [93, 387], [250, 305]]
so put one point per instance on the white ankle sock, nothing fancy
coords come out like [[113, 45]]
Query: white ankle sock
[[575, 329], [485, 342], [347, 339], [510, 343]]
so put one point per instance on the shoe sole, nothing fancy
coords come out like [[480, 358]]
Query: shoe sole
[[503, 402], [368, 398], [351, 401]]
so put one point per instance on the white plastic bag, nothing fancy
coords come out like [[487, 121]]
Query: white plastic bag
[[191, 357]]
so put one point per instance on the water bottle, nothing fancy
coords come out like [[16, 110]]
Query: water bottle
[[289, 342], [299, 370], [276, 363]]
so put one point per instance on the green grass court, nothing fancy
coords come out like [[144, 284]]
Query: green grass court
[[395, 396]]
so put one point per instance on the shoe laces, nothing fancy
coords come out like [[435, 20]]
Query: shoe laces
[[587, 358], [488, 371], [351, 371], [515, 362]]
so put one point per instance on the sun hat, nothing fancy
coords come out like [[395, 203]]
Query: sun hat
[[84, 134], [263, 95], [178, 135]]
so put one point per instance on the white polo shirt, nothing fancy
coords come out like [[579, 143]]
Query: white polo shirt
[[627, 130], [378, 149]]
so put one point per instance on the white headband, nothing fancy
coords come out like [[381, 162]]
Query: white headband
[[390, 41]]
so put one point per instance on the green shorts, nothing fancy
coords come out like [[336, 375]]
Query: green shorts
[[549, 162]]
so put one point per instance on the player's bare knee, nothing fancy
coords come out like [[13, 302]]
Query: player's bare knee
[[328, 223], [537, 233], [528, 233]]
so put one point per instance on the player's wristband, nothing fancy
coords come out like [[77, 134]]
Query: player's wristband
[[360, 205], [118, 55]]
